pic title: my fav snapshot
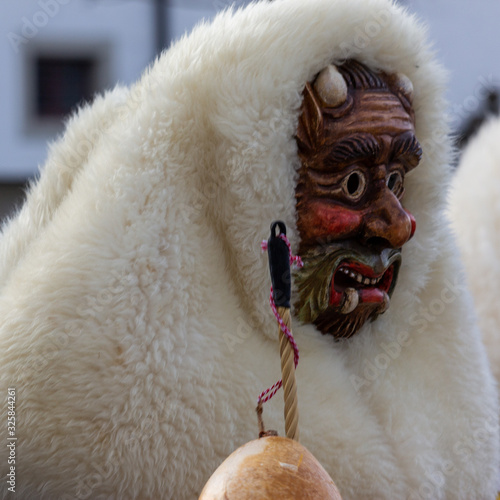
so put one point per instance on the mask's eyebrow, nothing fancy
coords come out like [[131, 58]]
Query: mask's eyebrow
[[355, 147], [407, 147]]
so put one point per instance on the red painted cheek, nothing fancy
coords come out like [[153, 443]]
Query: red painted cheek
[[334, 220]]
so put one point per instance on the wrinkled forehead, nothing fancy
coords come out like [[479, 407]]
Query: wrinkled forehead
[[375, 112], [350, 99]]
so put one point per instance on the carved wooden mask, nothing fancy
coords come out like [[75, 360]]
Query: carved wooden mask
[[356, 141]]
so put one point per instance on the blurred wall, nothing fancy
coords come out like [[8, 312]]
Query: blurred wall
[[121, 33], [466, 37], [117, 30]]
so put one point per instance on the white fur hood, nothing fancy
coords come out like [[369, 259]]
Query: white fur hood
[[135, 326], [475, 214]]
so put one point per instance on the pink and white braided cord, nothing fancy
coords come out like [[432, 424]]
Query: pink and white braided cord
[[266, 395]]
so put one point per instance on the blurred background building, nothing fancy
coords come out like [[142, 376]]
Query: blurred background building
[[55, 54]]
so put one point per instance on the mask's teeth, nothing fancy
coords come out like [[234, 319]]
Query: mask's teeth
[[350, 300], [362, 280]]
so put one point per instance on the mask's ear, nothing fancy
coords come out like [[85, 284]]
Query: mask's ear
[[310, 121]]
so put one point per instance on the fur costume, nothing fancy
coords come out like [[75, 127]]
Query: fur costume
[[474, 211], [135, 324]]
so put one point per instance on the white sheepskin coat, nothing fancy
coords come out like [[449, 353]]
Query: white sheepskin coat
[[475, 213], [135, 326]]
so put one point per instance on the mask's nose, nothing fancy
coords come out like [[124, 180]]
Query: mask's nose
[[388, 225]]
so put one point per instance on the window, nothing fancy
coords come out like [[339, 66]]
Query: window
[[58, 78], [61, 83]]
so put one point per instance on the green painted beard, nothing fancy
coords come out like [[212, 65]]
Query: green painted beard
[[342, 285]]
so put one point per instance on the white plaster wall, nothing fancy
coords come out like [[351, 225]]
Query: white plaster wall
[[123, 26], [465, 32], [467, 40]]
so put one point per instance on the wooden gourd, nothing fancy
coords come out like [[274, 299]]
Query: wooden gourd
[[270, 468]]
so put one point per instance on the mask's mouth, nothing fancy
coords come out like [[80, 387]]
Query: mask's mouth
[[355, 283], [338, 277]]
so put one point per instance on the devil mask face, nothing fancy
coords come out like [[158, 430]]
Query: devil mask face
[[356, 142]]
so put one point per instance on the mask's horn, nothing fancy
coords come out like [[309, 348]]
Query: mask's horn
[[331, 87]]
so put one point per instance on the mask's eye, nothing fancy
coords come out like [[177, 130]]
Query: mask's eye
[[395, 183], [354, 184]]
